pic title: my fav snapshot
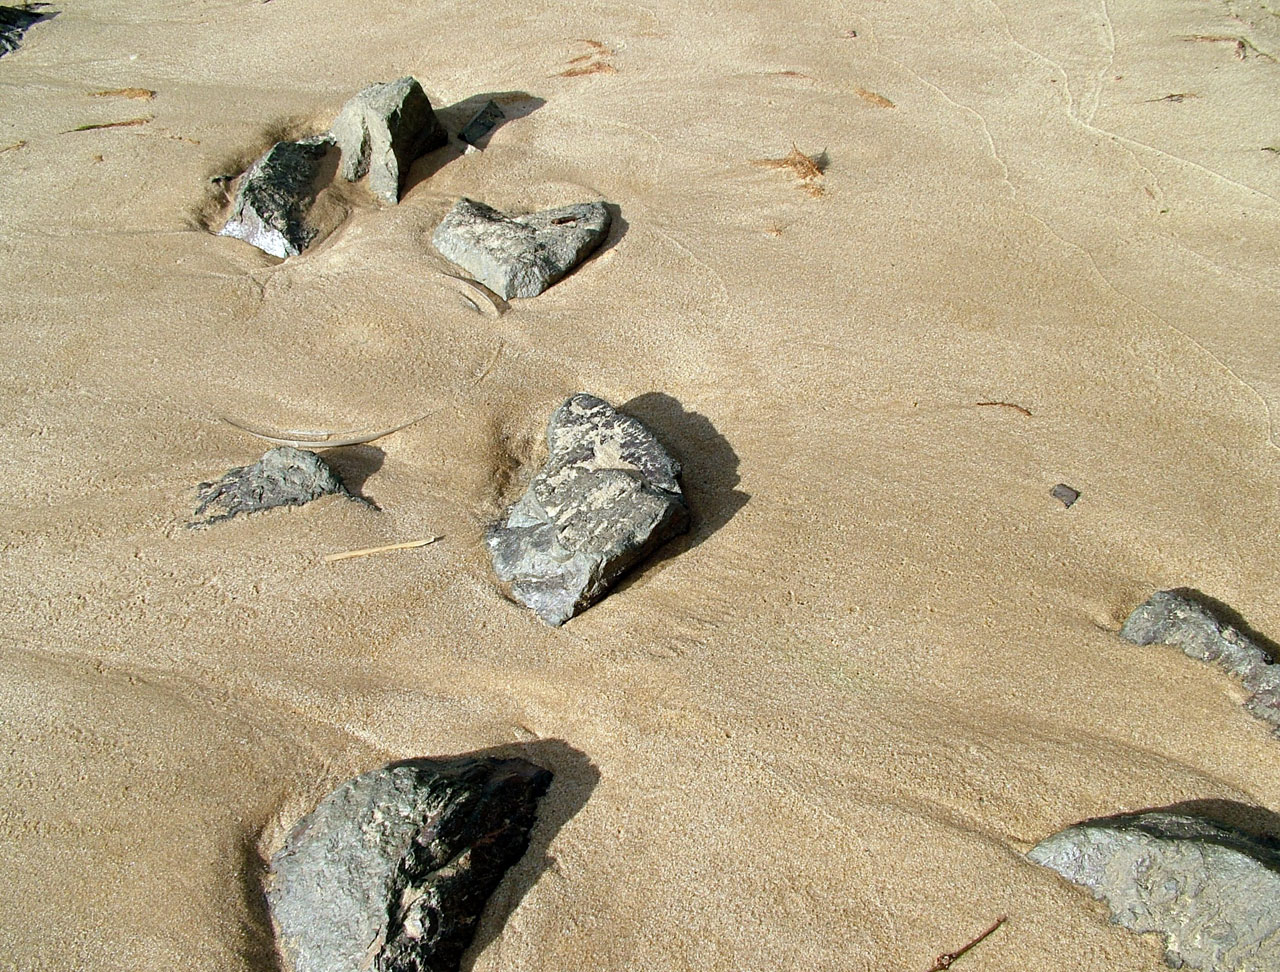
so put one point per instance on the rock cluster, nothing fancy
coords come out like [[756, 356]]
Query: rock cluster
[[391, 872], [608, 495], [1171, 618], [284, 476], [523, 255], [1211, 891]]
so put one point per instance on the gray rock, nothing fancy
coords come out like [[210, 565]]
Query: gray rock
[[14, 22], [392, 870], [1064, 494], [285, 476], [1213, 892], [608, 495], [271, 203], [484, 121], [520, 256], [1171, 618], [382, 130]]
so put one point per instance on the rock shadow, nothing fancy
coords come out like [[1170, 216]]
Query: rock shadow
[[1230, 616], [709, 466], [1258, 822], [574, 776], [354, 465], [617, 230], [454, 118], [258, 940]]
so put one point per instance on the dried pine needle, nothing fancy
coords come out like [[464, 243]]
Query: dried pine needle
[[369, 551], [120, 124], [137, 94], [14, 147], [808, 169], [598, 67], [871, 98]]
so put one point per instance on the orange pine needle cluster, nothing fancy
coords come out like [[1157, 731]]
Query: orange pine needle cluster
[[806, 168]]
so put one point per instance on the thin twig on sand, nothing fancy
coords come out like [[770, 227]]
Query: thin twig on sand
[[944, 961], [369, 551], [1016, 408]]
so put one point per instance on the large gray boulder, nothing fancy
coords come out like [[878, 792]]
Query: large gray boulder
[[608, 495], [1171, 618], [274, 195], [382, 130], [520, 256], [1211, 891], [14, 22], [284, 476], [391, 872]]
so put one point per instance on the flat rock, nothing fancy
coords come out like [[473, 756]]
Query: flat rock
[[520, 256], [284, 476], [382, 130], [392, 870], [608, 495], [274, 195], [1211, 891], [482, 123], [14, 22], [1171, 618]]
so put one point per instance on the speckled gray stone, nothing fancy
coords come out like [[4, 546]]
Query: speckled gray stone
[[391, 872], [274, 195], [1171, 618], [14, 22], [382, 130], [608, 495], [284, 476], [1211, 891], [520, 256]]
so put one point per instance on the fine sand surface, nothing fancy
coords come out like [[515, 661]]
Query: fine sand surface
[[821, 732]]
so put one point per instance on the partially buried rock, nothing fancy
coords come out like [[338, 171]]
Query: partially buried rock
[[608, 496], [14, 22], [1172, 618], [392, 870], [1212, 891], [271, 203], [382, 130], [520, 256], [484, 121], [285, 476]]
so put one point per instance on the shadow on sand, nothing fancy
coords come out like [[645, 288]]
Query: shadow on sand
[[514, 105]]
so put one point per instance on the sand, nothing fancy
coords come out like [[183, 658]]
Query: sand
[[822, 731]]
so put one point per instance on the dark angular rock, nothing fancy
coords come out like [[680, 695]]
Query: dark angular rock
[[382, 130], [1064, 494], [270, 206], [1171, 618], [484, 121], [14, 22], [520, 256], [285, 476], [392, 870], [1212, 891], [608, 496]]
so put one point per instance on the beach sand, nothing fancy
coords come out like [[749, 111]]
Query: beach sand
[[819, 733]]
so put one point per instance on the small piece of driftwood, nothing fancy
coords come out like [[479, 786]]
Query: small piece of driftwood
[[368, 551]]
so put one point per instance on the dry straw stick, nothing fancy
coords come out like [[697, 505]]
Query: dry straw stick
[[367, 551], [945, 960]]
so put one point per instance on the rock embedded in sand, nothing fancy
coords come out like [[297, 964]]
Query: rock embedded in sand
[[391, 872], [608, 496], [284, 476], [482, 123], [1065, 494], [1212, 891], [14, 22], [1171, 618], [520, 256], [271, 203], [382, 130]]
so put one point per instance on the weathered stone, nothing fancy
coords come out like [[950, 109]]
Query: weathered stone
[[484, 121], [1171, 618], [285, 476], [392, 870], [271, 203], [382, 130], [1212, 891], [608, 495], [14, 22], [1064, 494], [520, 256]]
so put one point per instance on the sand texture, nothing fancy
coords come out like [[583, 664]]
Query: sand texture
[[820, 731]]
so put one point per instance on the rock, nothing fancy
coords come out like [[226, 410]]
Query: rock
[[520, 256], [1065, 494], [391, 872], [14, 22], [270, 206], [1171, 618], [1213, 892], [608, 495], [485, 121], [382, 130], [285, 476]]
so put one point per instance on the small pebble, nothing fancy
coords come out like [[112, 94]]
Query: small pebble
[[1065, 493]]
